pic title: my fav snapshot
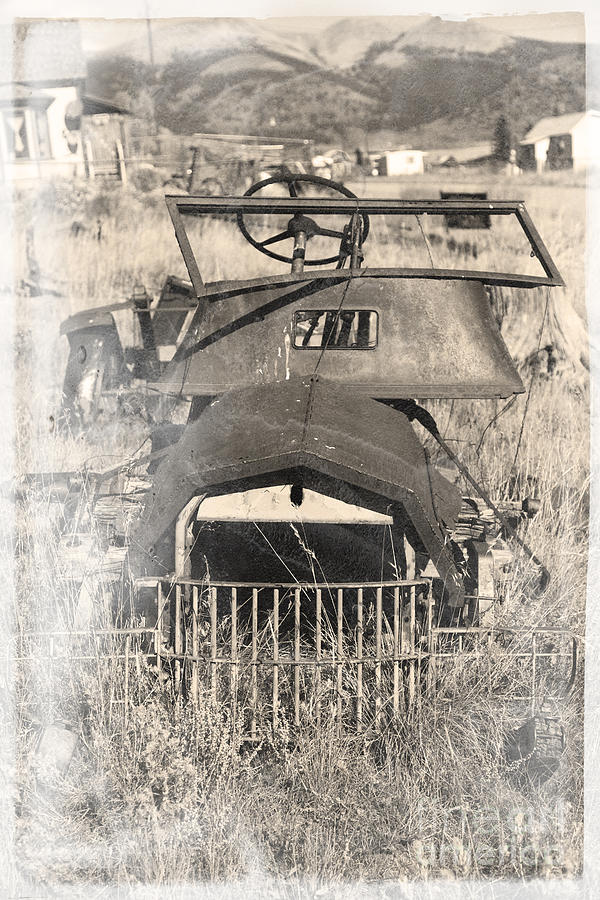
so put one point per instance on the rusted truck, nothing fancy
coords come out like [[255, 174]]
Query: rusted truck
[[292, 549]]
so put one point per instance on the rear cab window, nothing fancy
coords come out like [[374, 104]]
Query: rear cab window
[[335, 329]]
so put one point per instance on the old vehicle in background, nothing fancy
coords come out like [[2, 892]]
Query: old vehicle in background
[[334, 164], [224, 165], [107, 371]]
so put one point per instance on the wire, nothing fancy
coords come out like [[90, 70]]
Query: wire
[[428, 470], [341, 303], [447, 426], [334, 327], [186, 368], [395, 563], [279, 557], [426, 239], [337, 317], [495, 418], [533, 374]]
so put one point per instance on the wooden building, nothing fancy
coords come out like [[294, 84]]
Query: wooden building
[[49, 126], [562, 142]]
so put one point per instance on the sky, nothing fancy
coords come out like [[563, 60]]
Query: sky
[[536, 19], [313, 10], [99, 36], [565, 26]]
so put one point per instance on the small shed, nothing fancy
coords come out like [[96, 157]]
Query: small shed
[[401, 162], [562, 142], [104, 136]]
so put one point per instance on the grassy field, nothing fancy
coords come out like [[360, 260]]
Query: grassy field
[[166, 795]]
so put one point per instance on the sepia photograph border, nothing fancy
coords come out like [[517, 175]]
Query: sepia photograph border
[[576, 887]]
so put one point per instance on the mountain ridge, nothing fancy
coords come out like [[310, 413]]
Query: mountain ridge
[[240, 75]]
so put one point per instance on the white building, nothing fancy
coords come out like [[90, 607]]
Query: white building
[[571, 141], [48, 126], [401, 162], [42, 76]]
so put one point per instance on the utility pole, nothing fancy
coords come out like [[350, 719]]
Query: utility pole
[[149, 33], [152, 84]]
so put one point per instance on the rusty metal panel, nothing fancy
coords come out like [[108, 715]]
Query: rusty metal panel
[[435, 339], [248, 435], [99, 317], [174, 304]]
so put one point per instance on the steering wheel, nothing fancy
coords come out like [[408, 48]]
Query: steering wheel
[[300, 223]]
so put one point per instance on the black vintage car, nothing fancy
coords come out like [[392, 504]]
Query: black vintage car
[[295, 526]]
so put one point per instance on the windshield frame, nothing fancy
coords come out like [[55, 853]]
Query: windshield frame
[[180, 206]]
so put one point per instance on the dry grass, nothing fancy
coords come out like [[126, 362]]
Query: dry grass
[[165, 794]]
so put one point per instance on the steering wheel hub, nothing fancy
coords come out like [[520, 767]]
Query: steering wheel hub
[[299, 223]]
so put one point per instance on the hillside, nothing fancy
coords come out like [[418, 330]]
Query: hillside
[[448, 37], [174, 37], [431, 81], [344, 43], [427, 88]]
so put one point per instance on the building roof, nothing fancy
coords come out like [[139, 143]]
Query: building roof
[[407, 151], [94, 105], [23, 95], [553, 125], [40, 51], [460, 154]]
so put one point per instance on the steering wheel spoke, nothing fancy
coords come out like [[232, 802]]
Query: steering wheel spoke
[[276, 238], [328, 232], [311, 228]]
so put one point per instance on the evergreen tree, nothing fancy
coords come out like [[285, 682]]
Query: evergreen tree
[[502, 140]]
